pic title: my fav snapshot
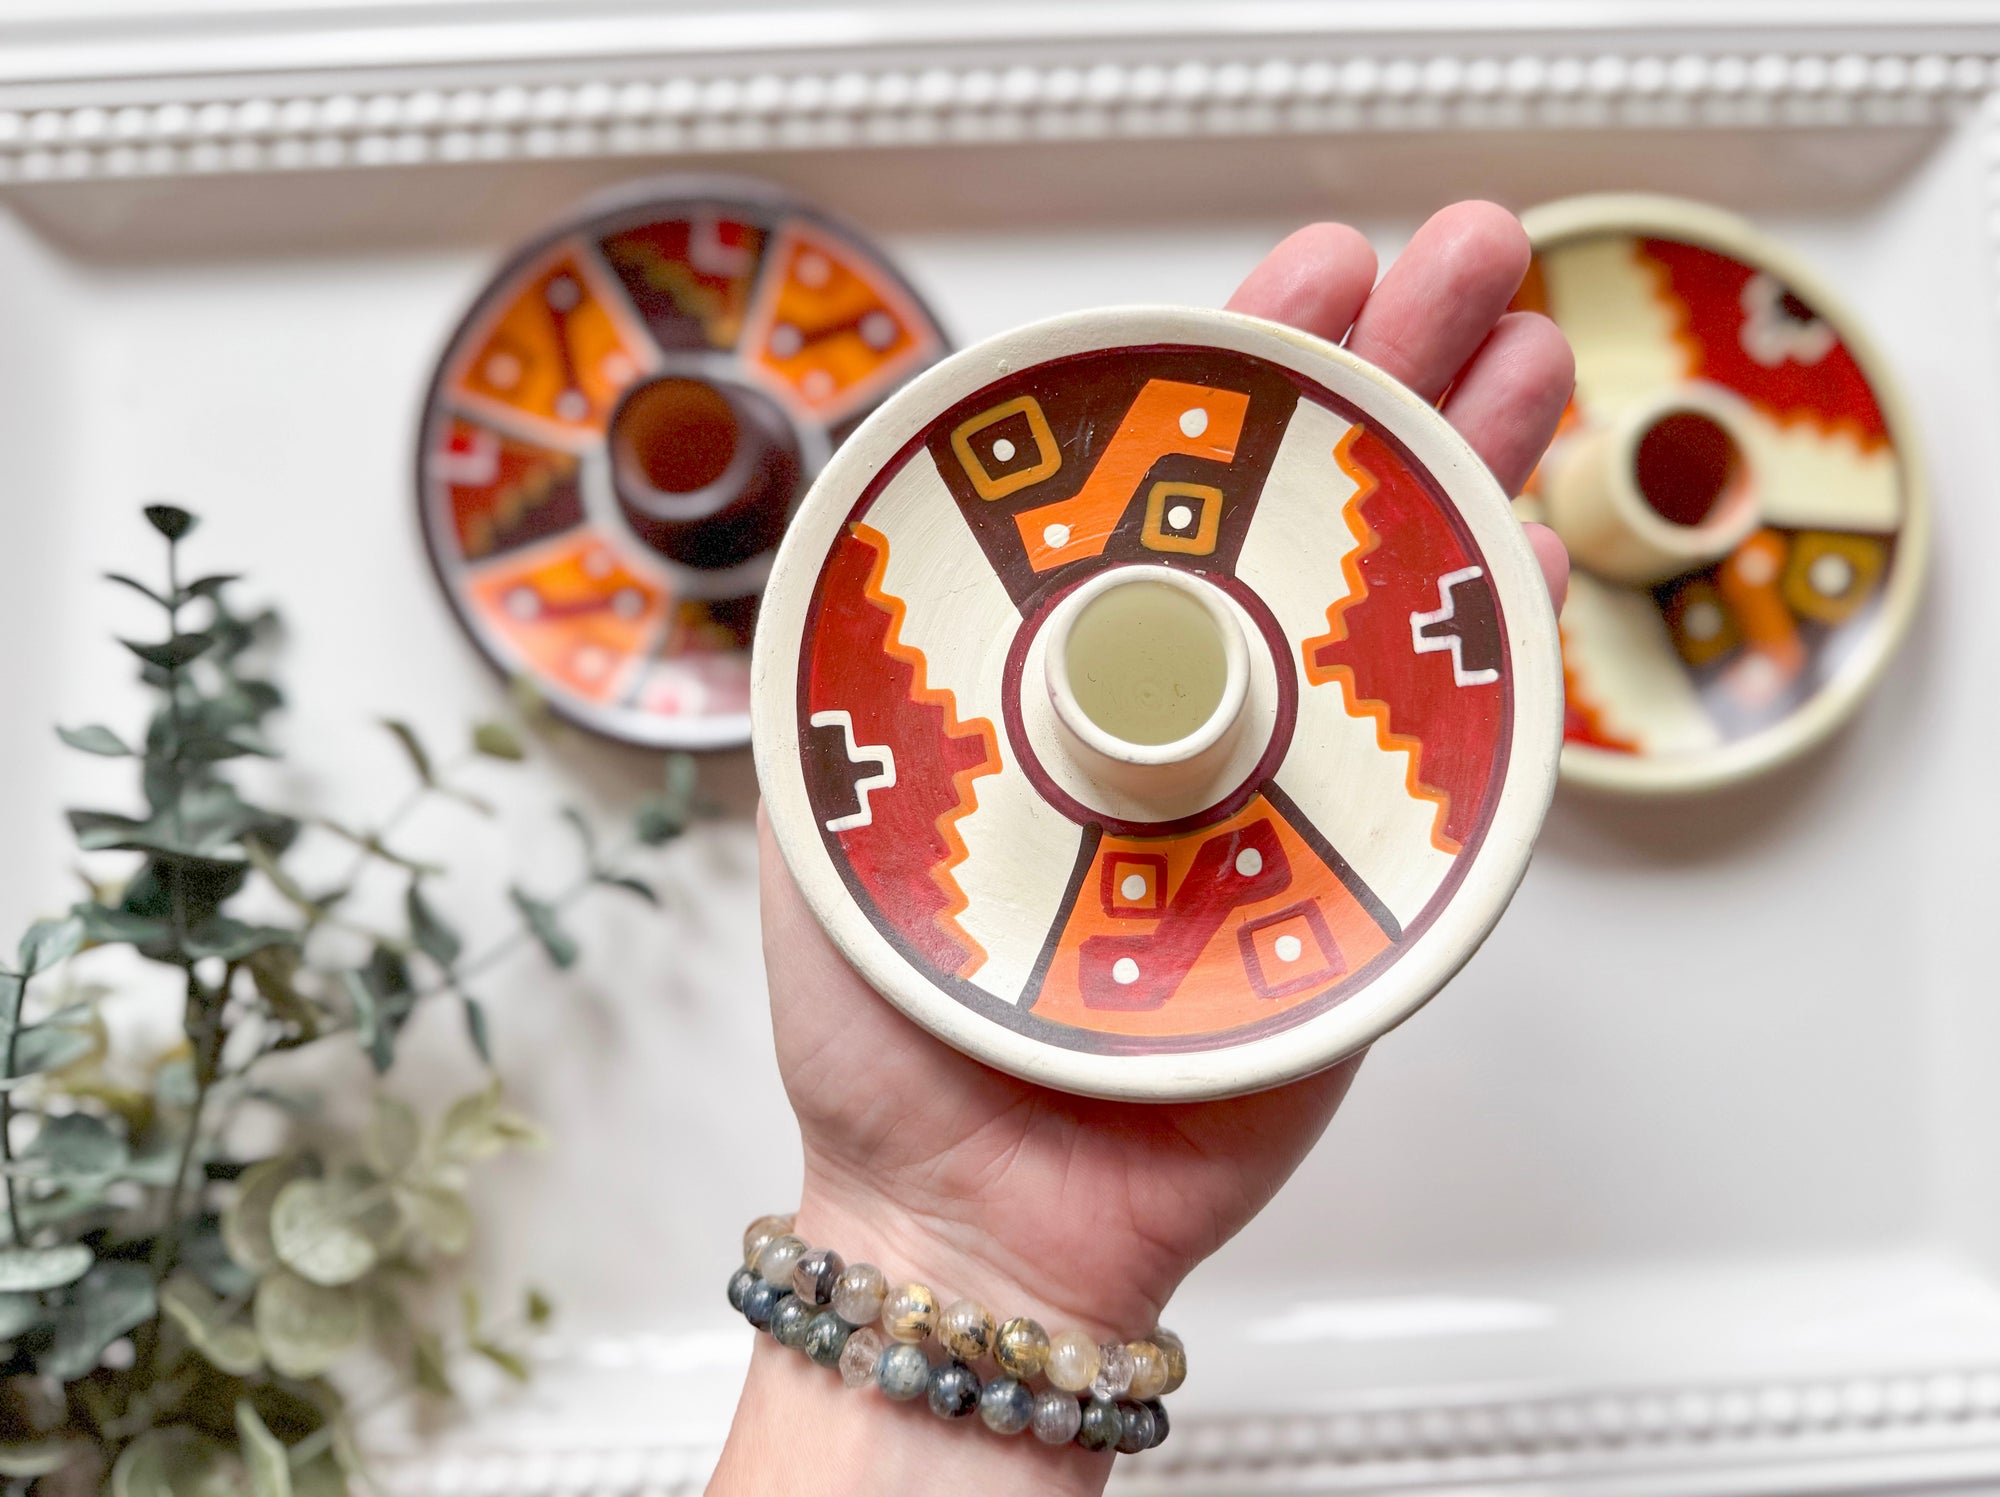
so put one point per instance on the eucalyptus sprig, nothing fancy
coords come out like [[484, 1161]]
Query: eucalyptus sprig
[[170, 1308]]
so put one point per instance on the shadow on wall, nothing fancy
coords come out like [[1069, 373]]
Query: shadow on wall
[[974, 189]]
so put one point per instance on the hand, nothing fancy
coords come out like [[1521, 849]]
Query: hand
[[1083, 1213]]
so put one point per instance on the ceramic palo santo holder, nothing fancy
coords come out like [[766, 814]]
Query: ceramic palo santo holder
[[620, 428], [1156, 703], [1739, 488]]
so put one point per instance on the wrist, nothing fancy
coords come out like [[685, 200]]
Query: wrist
[[800, 1431], [947, 1247]]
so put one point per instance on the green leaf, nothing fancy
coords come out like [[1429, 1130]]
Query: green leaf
[[246, 1221], [274, 970], [631, 885], [658, 820], [434, 937], [170, 520], [137, 586], [545, 927], [392, 1137], [210, 586], [38, 1457], [41, 1048], [477, 1126], [439, 1215], [206, 823], [429, 1369], [171, 654], [304, 1327], [537, 1308], [77, 1144], [507, 1361], [263, 1454], [121, 927], [31, 1270], [412, 746], [103, 1305], [376, 1037], [95, 739], [498, 741], [20, 1313], [48, 942], [232, 940], [316, 1229], [475, 1027], [228, 1346], [176, 1460]]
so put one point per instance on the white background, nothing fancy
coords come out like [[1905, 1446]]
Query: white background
[[1713, 1107]]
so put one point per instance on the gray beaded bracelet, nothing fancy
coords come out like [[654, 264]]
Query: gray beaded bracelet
[[845, 1315]]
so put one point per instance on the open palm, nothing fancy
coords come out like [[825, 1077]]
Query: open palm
[[1089, 1213]]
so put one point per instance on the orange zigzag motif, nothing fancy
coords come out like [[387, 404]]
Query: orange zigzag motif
[[941, 698], [1336, 618]]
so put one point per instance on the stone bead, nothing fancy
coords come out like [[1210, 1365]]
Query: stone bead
[[965, 1329], [859, 1356], [1006, 1405], [825, 1338], [758, 1236], [1057, 1416], [1159, 1412], [1135, 1428], [858, 1294], [1175, 1351], [910, 1314], [903, 1371], [789, 1321], [1021, 1347], [1072, 1361], [1101, 1427], [1149, 1370], [739, 1285], [780, 1256], [814, 1276], [1115, 1365], [954, 1390], [759, 1300]]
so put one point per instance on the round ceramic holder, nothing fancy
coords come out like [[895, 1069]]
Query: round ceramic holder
[[621, 426], [1739, 488], [1156, 703]]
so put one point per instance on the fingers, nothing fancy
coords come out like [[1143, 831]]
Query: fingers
[[1507, 400], [1554, 558], [1315, 280], [1439, 301]]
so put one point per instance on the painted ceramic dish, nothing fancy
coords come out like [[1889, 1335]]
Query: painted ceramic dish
[[1739, 488], [621, 427], [1156, 703]]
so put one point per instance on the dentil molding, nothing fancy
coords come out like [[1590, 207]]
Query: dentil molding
[[1860, 1433], [112, 89]]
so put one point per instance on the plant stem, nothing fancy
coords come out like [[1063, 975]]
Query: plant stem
[[7, 1109]]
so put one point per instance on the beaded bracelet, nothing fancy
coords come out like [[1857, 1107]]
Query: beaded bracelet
[[845, 1315]]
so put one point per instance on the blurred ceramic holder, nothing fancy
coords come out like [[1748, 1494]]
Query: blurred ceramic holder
[[1156, 703], [1738, 486], [619, 429]]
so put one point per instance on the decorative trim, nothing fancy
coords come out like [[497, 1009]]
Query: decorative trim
[[1795, 1436], [1094, 95]]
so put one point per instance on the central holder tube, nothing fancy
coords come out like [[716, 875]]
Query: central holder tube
[[1147, 669], [1670, 486]]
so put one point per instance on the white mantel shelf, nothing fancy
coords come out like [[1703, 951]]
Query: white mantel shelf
[[118, 89]]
